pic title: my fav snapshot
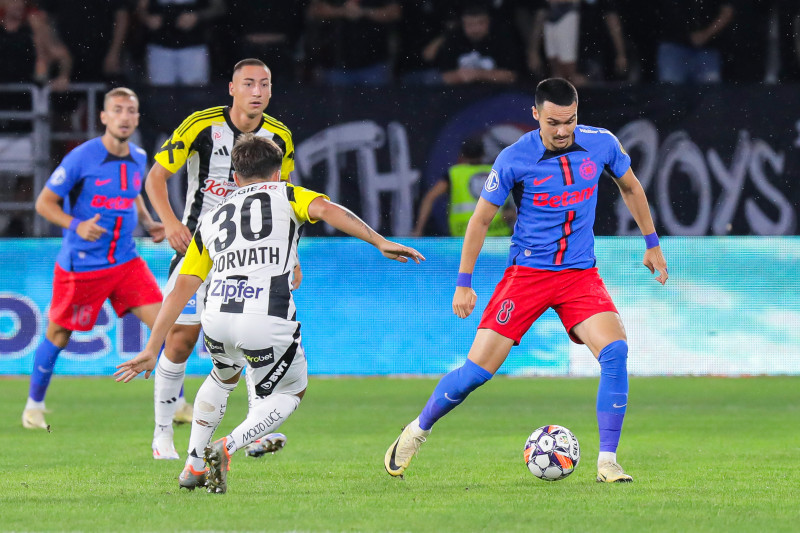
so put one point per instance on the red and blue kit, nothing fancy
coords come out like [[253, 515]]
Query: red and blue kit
[[556, 198], [92, 181]]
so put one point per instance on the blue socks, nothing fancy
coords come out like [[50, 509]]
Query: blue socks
[[44, 361], [451, 391], [612, 394]]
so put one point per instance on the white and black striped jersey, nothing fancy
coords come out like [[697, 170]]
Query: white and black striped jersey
[[250, 241], [204, 142]]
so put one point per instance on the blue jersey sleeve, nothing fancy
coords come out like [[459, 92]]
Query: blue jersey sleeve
[[618, 159], [500, 180], [64, 178]]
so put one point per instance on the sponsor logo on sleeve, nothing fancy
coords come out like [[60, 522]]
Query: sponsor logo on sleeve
[[492, 182]]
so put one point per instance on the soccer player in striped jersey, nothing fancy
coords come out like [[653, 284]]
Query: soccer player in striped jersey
[[203, 142], [553, 173], [94, 196], [246, 248]]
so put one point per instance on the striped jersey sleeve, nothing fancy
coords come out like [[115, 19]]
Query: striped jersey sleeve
[[177, 149], [300, 198], [198, 261]]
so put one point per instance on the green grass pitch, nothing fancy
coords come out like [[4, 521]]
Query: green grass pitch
[[707, 454]]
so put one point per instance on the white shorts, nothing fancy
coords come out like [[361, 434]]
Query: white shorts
[[268, 345], [561, 38], [190, 316]]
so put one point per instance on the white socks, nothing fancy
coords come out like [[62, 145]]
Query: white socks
[[32, 404], [166, 390], [265, 416], [605, 457], [209, 408]]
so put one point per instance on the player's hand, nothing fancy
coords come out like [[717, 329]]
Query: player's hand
[[144, 362], [464, 301], [179, 237], [156, 230], [398, 252], [654, 260], [297, 278], [88, 230]]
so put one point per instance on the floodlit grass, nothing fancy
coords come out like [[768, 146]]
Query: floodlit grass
[[707, 454]]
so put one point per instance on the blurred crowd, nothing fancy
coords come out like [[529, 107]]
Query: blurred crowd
[[379, 42]]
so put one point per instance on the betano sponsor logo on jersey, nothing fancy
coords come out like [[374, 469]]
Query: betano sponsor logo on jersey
[[230, 289], [544, 199], [117, 202]]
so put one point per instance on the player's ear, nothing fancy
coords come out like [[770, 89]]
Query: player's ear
[[535, 113], [236, 179], [230, 88]]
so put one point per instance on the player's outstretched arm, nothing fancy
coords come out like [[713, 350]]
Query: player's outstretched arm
[[635, 199], [464, 298], [345, 220], [177, 234], [185, 286]]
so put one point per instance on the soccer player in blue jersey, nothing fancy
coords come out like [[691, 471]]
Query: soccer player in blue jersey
[[94, 196], [553, 173]]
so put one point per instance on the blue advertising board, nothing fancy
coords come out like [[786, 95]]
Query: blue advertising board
[[731, 307]]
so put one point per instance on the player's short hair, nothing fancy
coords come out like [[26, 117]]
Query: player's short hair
[[119, 91], [556, 90], [249, 62], [255, 157]]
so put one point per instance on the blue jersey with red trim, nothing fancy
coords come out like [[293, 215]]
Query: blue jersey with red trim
[[91, 181], [556, 195]]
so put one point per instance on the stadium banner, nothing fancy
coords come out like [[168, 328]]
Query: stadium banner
[[719, 160], [730, 308]]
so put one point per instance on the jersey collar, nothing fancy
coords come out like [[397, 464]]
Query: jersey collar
[[226, 112]]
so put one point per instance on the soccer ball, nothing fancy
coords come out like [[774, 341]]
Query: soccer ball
[[552, 452]]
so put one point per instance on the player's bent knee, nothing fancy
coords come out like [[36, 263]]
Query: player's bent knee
[[181, 341]]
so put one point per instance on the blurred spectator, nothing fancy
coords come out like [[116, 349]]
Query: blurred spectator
[[352, 38], [464, 181], [94, 33], [477, 51], [269, 31], [421, 31], [29, 46], [177, 33], [690, 35], [603, 54], [557, 24], [789, 39], [751, 25]]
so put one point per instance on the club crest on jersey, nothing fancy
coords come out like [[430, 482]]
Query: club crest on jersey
[[588, 169], [492, 182]]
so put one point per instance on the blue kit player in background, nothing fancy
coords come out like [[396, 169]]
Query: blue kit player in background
[[553, 173], [94, 196]]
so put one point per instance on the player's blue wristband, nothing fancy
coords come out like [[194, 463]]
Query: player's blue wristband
[[73, 226], [651, 241], [464, 280]]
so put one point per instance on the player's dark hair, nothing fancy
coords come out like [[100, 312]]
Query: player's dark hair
[[249, 62], [119, 91], [556, 90], [255, 157]]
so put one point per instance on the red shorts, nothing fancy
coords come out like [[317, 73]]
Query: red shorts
[[525, 293], [79, 296]]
